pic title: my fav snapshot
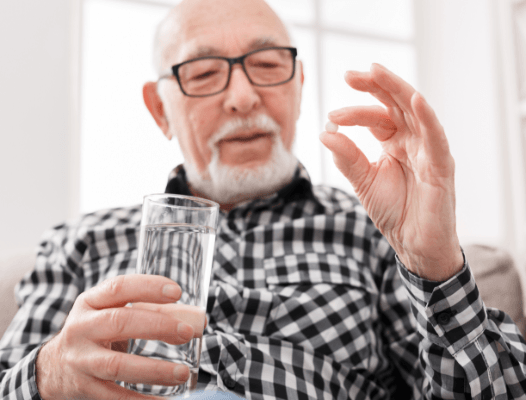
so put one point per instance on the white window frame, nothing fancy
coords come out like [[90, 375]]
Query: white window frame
[[512, 113]]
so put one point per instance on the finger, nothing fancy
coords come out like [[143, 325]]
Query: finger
[[399, 114], [435, 141], [364, 82], [123, 289], [112, 366], [122, 323], [399, 90], [192, 315], [373, 117], [349, 159]]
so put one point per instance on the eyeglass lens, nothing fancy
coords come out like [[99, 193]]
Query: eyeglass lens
[[210, 75]]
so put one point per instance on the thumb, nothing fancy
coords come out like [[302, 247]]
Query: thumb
[[348, 158]]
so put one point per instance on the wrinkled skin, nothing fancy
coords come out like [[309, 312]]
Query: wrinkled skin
[[410, 192]]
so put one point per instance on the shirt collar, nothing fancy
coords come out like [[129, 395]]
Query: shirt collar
[[300, 188], [177, 183]]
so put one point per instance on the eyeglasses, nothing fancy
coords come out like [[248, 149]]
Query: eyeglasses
[[206, 76]]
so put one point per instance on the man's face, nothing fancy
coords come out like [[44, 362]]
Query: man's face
[[228, 28]]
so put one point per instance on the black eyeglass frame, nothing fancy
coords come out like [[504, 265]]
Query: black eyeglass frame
[[231, 63]]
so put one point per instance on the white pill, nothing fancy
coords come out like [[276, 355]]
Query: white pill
[[331, 127]]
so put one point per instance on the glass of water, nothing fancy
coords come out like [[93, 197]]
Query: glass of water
[[177, 241]]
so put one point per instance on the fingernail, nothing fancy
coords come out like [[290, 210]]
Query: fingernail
[[185, 331], [171, 291], [180, 372], [333, 114], [350, 72]]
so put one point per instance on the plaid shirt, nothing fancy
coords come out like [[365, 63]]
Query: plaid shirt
[[307, 301]]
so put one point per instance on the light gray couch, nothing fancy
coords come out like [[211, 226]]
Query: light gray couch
[[494, 270], [498, 281], [14, 265]]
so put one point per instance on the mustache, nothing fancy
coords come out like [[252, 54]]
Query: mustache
[[261, 122]]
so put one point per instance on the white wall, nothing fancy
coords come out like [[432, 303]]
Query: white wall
[[457, 46], [34, 118]]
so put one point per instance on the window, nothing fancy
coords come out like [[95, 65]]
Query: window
[[124, 156], [512, 79]]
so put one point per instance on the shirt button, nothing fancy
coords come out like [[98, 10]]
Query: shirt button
[[229, 382], [444, 318]]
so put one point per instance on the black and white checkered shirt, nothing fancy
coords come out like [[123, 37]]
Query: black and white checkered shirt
[[307, 301]]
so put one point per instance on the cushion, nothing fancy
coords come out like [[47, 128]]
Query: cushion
[[14, 264], [498, 280]]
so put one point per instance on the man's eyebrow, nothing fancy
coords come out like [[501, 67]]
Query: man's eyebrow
[[203, 52], [256, 44], [261, 43]]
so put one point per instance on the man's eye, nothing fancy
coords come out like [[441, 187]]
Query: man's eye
[[265, 65], [204, 75]]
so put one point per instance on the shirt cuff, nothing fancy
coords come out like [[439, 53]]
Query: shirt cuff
[[20, 381], [450, 314]]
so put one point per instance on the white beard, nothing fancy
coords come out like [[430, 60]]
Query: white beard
[[226, 184]]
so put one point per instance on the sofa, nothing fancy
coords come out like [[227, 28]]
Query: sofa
[[495, 272]]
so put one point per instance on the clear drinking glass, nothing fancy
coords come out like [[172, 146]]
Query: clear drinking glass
[[177, 241]]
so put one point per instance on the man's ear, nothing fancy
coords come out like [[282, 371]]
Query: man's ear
[[155, 106], [299, 71]]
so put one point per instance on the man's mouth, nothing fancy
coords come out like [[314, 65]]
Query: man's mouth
[[246, 137]]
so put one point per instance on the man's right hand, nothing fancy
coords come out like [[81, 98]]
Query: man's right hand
[[78, 362]]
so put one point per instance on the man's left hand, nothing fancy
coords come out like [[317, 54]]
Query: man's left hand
[[410, 192]]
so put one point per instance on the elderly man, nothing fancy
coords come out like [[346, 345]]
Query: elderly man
[[309, 299]]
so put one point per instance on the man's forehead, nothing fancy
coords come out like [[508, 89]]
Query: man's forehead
[[193, 50]]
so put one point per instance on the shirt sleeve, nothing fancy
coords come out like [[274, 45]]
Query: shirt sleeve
[[18, 382], [45, 296], [467, 349]]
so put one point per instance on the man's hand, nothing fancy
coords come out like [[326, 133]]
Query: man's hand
[[78, 363], [410, 192]]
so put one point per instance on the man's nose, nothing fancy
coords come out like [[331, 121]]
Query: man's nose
[[241, 96]]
